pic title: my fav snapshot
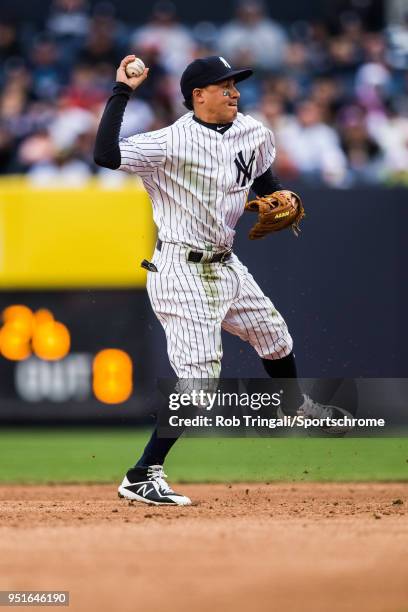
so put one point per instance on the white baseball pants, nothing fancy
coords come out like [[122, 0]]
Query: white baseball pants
[[193, 301]]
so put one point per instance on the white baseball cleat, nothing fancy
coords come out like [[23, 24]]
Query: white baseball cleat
[[148, 485], [313, 410]]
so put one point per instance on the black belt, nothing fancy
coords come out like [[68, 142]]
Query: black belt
[[196, 256]]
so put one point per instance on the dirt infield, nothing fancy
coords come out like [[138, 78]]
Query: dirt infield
[[242, 547]]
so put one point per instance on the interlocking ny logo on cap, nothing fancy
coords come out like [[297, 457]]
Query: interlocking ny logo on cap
[[224, 61]]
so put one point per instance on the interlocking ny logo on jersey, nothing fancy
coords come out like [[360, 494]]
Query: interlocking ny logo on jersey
[[244, 169]]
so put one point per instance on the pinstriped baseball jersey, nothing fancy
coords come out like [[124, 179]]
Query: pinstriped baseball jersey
[[198, 180]]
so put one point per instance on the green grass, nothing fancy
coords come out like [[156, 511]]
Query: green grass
[[103, 455]]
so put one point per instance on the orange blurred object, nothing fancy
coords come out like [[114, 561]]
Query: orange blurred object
[[51, 341], [112, 361], [42, 316], [20, 318], [112, 389], [14, 345], [112, 380]]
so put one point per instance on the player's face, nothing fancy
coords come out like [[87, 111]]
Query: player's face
[[218, 103]]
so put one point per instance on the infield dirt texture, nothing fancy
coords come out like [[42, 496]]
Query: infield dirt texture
[[260, 546]]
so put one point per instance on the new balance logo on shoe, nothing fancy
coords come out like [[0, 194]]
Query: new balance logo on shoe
[[144, 490]]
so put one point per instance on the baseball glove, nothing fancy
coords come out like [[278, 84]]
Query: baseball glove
[[276, 211]]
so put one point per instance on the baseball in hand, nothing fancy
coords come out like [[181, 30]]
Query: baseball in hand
[[135, 68]]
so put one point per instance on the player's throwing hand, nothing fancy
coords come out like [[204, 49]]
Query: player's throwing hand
[[121, 75]]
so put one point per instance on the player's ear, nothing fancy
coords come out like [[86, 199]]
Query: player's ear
[[197, 95]]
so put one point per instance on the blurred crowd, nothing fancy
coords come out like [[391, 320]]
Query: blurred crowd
[[336, 98]]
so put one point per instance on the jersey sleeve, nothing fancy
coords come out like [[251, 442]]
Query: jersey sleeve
[[143, 153], [267, 153]]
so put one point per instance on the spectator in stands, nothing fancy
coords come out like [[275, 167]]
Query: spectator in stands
[[68, 25], [10, 47], [172, 39], [101, 45], [264, 40], [69, 123], [88, 86], [373, 80], [328, 95], [397, 44], [365, 161], [13, 107], [157, 89], [47, 72], [65, 169], [68, 20], [314, 146], [19, 119], [316, 37], [36, 150], [389, 130], [271, 112], [139, 117], [296, 65], [286, 88], [344, 61]]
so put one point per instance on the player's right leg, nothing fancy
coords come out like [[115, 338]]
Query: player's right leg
[[191, 300], [190, 303]]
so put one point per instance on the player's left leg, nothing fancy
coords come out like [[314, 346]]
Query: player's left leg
[[254, 319]]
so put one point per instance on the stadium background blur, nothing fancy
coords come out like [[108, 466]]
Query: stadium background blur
[[332, 84], [330, 80]]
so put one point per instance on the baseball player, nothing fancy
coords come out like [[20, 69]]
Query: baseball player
[[198, 173]]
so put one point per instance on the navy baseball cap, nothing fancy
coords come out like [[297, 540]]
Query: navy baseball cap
[[209, 70]]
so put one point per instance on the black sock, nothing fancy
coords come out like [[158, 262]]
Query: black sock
[[156, 450], [281, 370], [343, 389], [324, 389]]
